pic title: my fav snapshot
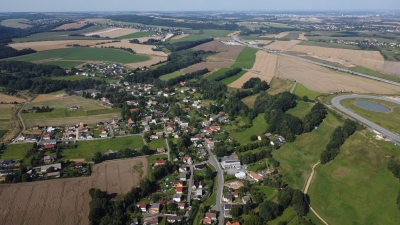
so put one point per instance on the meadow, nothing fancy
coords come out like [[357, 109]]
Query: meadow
[[137, 35], [64, 64], [300, 90], [233, 78], [15, 23], [62, 113], [217, 73], [16, 151], [78, 77], [279, 85], [243, 136], [170, 75], [293, 35], [86, 54], [157, 143], [191, 37], [5, 118], [374, 73], [301, 109], [211, 33], [246, 58]]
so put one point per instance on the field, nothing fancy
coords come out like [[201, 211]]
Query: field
[[9, 98], [389, 120], [249, 101], [70, 26], [87, 54], [138, 35], [170, 75], [293, 35], [392, 68], [153, 60], [279, 85], [280, 35], [324, 80], [229, 80], [66, 201], [50, 45], [282, 45], [79, 77], [216, 33], [297, 158], [158, 143], [364, 70], [64, 64], [300, 90], [246, 58], [179, 36], [138, 48], [87, 149], [370, 59], [218, 73], [191, 37], [301, 109], [5, 116], [112, 32], [243, 137], [15, 23], [356, 187], [302, 37], [225, 52], [263, 68], [16, 152], [328, 45], [209, 65]]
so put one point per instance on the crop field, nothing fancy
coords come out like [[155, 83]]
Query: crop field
[[209, 65], [112, 32], [49, 97], [263, 68], [328, 45], [72, 120], [300, 90], [63, 113], [246, 58], [217, 73], [216, 33], [70, 26], [87, 149], [88, 54], [282, 45], [138, 48], [50, 45], [170, 75], [353, 36], [279, 85], [226, 52], [302, 37], [5, 118], [9, 98], [232, 79], [297, 158], [66, 201], [356, 187], [179, 36], [153, 60], [392, 68], [138, 35], [264, 42], [364, 70], [301, 109], [15, 23], [280, 35], [243, 136], [370, 59], [2, 132], [61, 102], [293, 35], [324, 80]]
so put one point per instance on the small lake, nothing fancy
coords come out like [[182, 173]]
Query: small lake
[[371, 106]]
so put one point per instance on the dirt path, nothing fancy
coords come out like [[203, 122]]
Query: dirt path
[[22, 122]]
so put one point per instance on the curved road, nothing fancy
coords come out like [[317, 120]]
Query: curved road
[[387, 133], [22, 122]]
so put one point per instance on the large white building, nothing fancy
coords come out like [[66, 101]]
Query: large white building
[[231, 164]]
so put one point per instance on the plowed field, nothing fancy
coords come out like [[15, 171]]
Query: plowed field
[[226, 52], [392, 68]]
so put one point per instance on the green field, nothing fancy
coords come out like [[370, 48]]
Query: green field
[[390, 53], [278, 85], [217, 73], [15, 23], [297, 158], [62, 113], [78, 77], [356, 187], [256, 37], [249, 101], [137, 35], [288, 216], [353, 36], [246, 58], [170, 75], [259, 126], [83, 53], [328, 45], [17, 151], [300, 90], [293, 35], [374, 73], [301, 109], [86, 149], [233, 78], [389, 120], [191, 37], [64, 64], [158, 143], [211, 33]]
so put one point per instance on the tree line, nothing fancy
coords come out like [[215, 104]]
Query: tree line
[[39, 109], [229, 73], [182, 45], [7, 52], [176, 80]]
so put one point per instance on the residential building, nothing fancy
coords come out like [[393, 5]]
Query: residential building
[[212, 216], [179, 190], [56, 166], [231, 164], [160, 150], [255, 176], [181, 205], [173, 219], [183, 176], [177, 197], [160, 162], [135, 222], [246, 199], [155, 208], [227, 198], [232, 223], [150, 220], [143, 207]]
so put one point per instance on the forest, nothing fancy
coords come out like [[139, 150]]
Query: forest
[[185, 44], [7, 52]]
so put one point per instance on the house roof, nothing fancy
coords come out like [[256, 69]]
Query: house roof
[[255, 175], [180, 189], [142, 205], [211, 215], [234, 223], [207, 220]]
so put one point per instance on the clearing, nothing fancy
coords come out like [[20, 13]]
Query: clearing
[[301, 109], [170, 75], [113, 32], [50, 45], [10, 98], [243, 136], [279, 85]]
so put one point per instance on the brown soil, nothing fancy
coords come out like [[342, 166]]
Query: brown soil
[[113, 32], [15, 125], [48, 97], [138, 48], [179, 36], [392, 68], [9, 98], [302, 37], [66, 201], [280, 35], [153, 60], [226, 52], [282, 45]]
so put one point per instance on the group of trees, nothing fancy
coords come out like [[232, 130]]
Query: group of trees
[[7, 52], [178, 46], [314, 117], [176, 80], [39, 109], [257, 84], [234, 107], [254, 145], [394, 166], [254, 157], [211, 89], [229, 73], [339, 136]]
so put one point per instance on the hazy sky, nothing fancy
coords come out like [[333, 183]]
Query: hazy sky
[[193, 5]]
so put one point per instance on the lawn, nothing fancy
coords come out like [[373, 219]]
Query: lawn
[[249, 101], [367, 71], [288, 215], [86, 149], [328, 45], [64, 64], [246, 58], [83, 53], [300, 90], [170, 75], [17, 151], [278, 85], [191, 37], [243, 136], [297, 158], [268, 192], [158, 143], [137, 35], [217, 73], [389, 120], [301, 109], [356, 187], [231, 79]]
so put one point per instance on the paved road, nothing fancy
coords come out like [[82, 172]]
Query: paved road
[[218, 206], [166, 143], [235, 37], [387, 133], [190, 184], [22, 122]]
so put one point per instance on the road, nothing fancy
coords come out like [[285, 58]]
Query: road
[[189, 191], [166, 143], [387, 133], [218, 206], [22, 122], [235, 37]]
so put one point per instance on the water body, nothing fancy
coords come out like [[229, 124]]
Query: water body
[[371, 106]]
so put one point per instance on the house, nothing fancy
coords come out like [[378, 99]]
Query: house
[[227, 210], [231, 164], [207, 220], [46, 136], [155, 208], [36, 127], [7, 163], [160, 150], [159, 134], [215, 118], [179, 190], [143, 207], [46, 147], [200, 184], [103, 135], [195, 138], [170, 128], [79, 165], [227, 198], [215, 128], [182, 169], [232, 223], [275, 142], [246, 199], [260, 137], [173, 219], [72, 108], [199, 192], [177, 197], [181, 205], [49, 142], [177, 183], [56, 166], [159, 162], [111, 154], [212, 216], [199, 167], [182, 176], [187, 160], [49, 158], [150, 220], [255, 176]]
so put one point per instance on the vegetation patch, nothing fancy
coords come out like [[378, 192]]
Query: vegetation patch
[[328, 45], [16, 151], [229, 80], [64, 64], [170, 75], [301, 91], [217, 73], [137, 35], [301, 109], [279, 85], [259, 127], [374, 73], [187, 38], [246, 58]]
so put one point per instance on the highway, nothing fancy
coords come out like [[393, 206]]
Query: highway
[[387, 133], [235, 37]]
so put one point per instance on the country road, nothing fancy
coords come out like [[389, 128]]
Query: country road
[[22, 122]]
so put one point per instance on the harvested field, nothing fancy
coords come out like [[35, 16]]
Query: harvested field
[[138, 48], [263, 42], [264, 68], [48, 97], [226, 52], [370, 59], [66, 201], [153, 60], [143, 39], [391, 68], [9, 98], [179, 36], [70, 26], [113, 32], [168, 36], [209, 65], [280, 35], [49, 45], [324, 80], [282, 45], [302, 37], [61, 102]]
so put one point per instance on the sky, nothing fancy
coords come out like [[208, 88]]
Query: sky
[[194, 5]]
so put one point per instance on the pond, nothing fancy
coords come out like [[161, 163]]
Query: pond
[[371, 106]]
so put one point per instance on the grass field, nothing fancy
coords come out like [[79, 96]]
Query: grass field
[[158, 143], [374, 73], [16, 151], [301, 109], [137, 35], [246, 58], [293, 35], [390, 52], [300, 90], [15, 23], [233, 78], [328, 45], [389, 120], [5, 118], [297, 158], [217, 73], [249, 101], [288, 215], [62, 113], [170, 75], [259, 126], [278, 85], [86, 149], [191, 37], [77, 77], [64, 64], [211, 33], [356, 187], [82, 53], [254, 37]]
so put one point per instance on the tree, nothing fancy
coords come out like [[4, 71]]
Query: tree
[[247, 208], [253, 138], [285, 196], [50, 169], [252, 220], [98, 157], [298, 203], [305, 98], [171, 207], [220, 151], [236, 212], [269, 210], [209, 173]]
